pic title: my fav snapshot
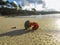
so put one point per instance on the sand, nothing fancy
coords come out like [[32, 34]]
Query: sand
[[47, 34]]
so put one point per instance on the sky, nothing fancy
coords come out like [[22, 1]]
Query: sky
[[53, 4], [39, 4]]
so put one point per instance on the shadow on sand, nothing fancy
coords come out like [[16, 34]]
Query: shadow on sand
[[16, 32]]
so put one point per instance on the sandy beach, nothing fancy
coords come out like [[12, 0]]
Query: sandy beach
[[47, 34]]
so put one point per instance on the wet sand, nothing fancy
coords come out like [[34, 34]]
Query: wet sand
[[47, 34]]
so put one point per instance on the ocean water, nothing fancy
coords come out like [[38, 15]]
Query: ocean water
[[41, 16]]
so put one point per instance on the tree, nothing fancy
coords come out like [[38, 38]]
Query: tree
[[20, 7], [3, 2], [15, 5], [33, 9]]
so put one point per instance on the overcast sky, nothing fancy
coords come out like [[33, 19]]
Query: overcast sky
[[39, 4]]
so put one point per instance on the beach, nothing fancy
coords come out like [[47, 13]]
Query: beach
[[47, 34]]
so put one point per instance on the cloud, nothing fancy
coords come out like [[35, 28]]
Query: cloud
[[37, 7], [40, 4], [54, 4], [29, 4], [24, 2]]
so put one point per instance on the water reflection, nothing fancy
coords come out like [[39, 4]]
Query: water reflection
[[57, 23]]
